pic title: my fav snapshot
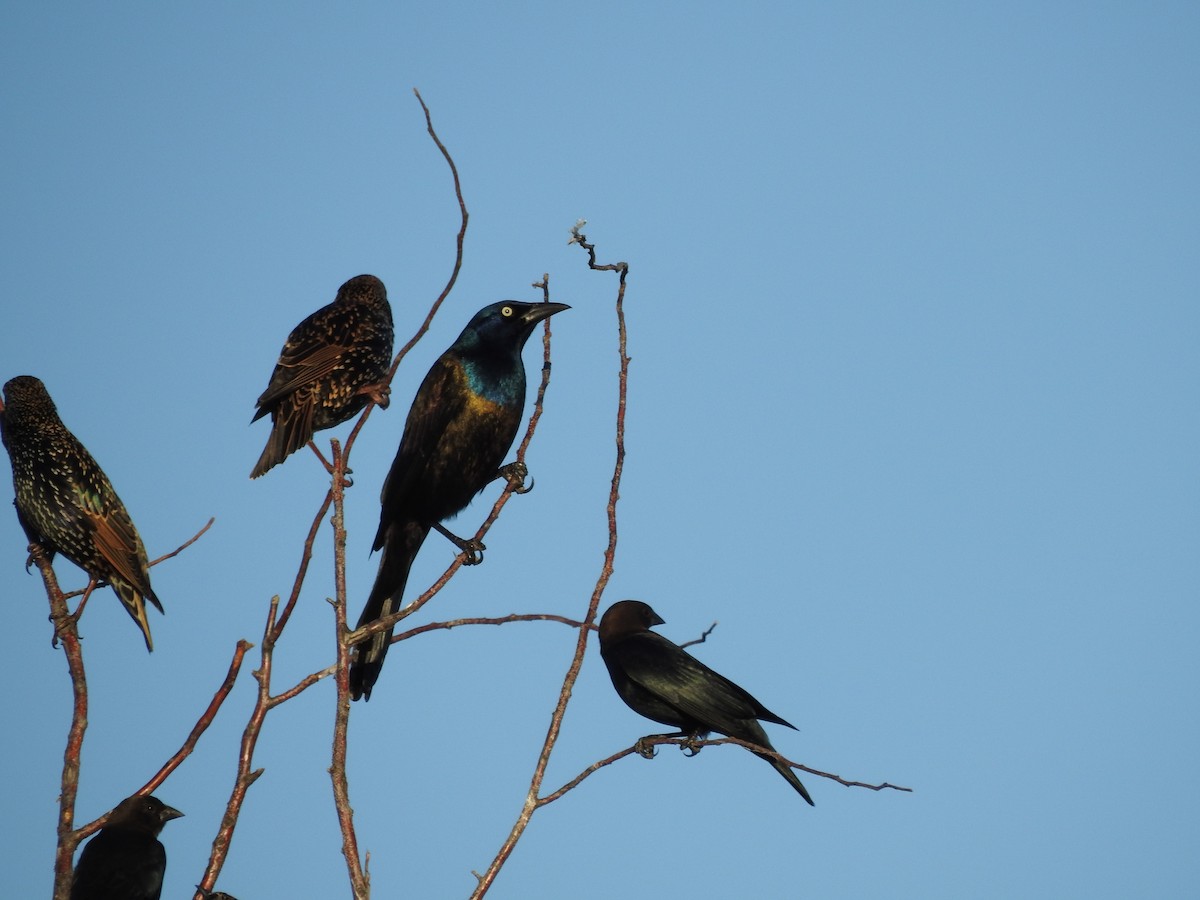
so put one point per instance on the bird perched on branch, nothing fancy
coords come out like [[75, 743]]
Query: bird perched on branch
[[126, 861], [663, 682], [461, 424], [332, 364], [66, 503]]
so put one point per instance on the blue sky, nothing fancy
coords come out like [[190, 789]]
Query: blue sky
[[913, 310]]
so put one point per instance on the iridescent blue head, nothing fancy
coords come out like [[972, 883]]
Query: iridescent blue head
[[504, 326]]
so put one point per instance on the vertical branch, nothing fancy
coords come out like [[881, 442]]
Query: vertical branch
[[532, 801], [245, 775], [66, 630], [359, 881]]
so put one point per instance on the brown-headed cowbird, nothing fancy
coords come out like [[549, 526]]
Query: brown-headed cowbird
[[126, 861], [330, 366], [663, 682], [65, 502]]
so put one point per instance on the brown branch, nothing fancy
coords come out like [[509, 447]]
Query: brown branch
[[484, 620], [195, 537], [531, 798], [302, 571], [92, 584], [206, 719], [245, 775], [359, 881], [66, 631], [594, 767], [689, 743]]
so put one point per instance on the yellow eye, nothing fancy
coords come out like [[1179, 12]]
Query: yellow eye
[[506, 311]]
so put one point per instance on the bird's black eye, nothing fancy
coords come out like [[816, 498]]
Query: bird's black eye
[[506, 311]]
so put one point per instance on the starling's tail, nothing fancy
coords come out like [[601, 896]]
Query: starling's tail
[[403, 540], [291, 429], [135, 604]]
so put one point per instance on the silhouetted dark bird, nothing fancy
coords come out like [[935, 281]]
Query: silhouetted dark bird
[[66, 503], [663, 682], [332, 364], [125, 861], [461, 424], [215, 895]]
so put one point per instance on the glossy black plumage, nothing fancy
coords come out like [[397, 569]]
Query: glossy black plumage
[[66, 503], [661, 681], [125, 860], [332, 364], [459, 428]]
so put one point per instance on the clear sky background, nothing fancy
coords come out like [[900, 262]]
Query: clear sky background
[[913, 312]]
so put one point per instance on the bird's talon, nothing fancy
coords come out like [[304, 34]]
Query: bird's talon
[[515, 474], [472, 551], [645, 750]]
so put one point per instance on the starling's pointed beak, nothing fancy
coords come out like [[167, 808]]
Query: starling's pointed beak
[[540, 311], [168, 813], [656, 619]]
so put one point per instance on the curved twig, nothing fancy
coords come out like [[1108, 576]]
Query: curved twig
[[530, 804]]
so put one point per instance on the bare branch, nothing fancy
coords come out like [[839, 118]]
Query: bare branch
[[703, 637], [359, 881], [195, 537], [528, 808], [66, 630], [498, 620], [206, 719]]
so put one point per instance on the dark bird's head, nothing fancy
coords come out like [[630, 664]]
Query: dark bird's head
[[626, 617], [143, 813], [507, 324], [26, 399], [362, 289]]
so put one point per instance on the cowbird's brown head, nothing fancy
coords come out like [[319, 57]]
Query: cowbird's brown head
[[143, 813], [627, 617]]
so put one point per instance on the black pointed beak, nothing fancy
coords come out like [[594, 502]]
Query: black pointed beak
[[168, 813], [540, 311]]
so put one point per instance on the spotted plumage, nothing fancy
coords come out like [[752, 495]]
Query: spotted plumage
[[66, 503], [332, 364]]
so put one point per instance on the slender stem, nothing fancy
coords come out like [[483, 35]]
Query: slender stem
[[531, 802]]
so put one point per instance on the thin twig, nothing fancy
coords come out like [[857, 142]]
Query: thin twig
[[206, 719], [531, 798], [690, 744], [245, 776], [195, 537], [703, 636], [489, 620]]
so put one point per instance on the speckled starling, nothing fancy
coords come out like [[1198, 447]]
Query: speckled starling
[[66, 503], [332, 364], [126, 860]]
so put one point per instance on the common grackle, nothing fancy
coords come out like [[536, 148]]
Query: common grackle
[[66, 503], [461, 424], [332, 363], [125, 861], [663, 682]]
